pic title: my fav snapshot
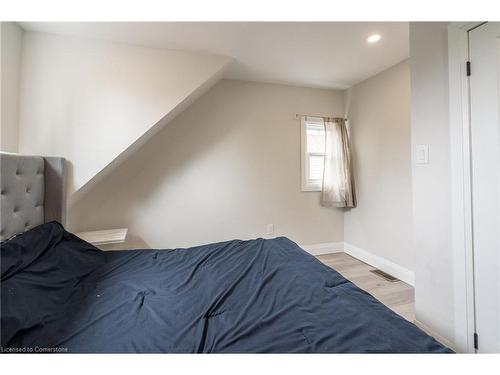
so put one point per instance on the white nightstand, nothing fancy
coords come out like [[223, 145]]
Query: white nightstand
[[104, 237]]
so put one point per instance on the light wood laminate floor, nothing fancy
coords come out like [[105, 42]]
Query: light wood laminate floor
[[397, 295]]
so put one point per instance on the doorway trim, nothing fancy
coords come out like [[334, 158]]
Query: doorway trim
[[461, 194]]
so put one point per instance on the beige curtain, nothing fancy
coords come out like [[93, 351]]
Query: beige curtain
[[338, 183]]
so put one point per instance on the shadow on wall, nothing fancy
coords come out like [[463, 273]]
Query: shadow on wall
[[147, 173]]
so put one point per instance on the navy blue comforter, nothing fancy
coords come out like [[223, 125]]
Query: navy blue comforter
[[60, 293]]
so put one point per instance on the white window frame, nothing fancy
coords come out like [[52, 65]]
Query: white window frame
[[307, 184]]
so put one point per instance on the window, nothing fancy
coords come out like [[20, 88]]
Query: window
[[313, 153]]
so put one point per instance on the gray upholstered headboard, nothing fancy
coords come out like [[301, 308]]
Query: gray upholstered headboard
[[33, 192]]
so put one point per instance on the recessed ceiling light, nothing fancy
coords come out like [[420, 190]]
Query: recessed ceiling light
[[373, 38]]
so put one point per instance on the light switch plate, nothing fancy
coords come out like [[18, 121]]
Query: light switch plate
[[270, 229], [422, 156]]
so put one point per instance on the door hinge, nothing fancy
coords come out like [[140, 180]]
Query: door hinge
[[476, 341], [467, 64]]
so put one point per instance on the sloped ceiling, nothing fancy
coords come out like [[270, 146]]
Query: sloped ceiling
[[315, 54], [95, 103]]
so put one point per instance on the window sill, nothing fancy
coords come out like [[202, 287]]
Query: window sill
[[311, 188]]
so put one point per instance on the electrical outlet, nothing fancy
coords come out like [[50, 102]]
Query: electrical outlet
[[270, 229]]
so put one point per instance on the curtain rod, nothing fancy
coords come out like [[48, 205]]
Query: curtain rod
[[320, 116]]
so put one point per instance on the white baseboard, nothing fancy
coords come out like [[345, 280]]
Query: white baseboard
[[437, 336], [363, 255], [378, 262], [324, 248]]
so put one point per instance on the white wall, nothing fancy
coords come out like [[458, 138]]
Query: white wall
[[434, 292], [11, 41], [90, 100], [379, 120], [223, 169]]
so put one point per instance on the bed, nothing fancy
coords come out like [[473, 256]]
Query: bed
[[61, 294]]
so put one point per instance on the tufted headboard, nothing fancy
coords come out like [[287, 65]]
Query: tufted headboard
[[33, 192]]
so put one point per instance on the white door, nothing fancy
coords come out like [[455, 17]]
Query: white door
[[484, 49]]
